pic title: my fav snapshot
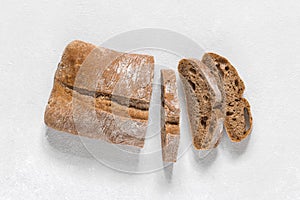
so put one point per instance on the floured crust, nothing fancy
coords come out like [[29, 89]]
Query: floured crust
[[83, 63], [170, 114], [205, 103], [80, 117], [238, 121], [80, 106]]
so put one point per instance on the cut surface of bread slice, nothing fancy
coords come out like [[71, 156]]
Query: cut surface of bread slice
[[205, 102], [101, 93], [238, 120], [170, 116]]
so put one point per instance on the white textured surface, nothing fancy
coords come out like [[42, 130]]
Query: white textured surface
[[260, 38]]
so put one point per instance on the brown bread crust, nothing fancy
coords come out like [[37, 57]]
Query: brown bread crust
[[116, 109], [170, 114]]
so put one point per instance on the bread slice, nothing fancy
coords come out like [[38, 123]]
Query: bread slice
[[205, 102], [170, 114], [238, 121], [101, 93]]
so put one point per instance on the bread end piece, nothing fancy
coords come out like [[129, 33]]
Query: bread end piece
[[170, 116]]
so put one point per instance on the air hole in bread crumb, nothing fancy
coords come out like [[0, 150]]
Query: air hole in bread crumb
[[205, 97], [234, 119], [192, 84], [236, 82], [247, 119], [228, 113], [193, 70], [203, 121], [226, 68]]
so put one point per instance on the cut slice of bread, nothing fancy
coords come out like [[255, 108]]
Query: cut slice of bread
[[238, 120], [170, 114], [205, 102], [101, 93]]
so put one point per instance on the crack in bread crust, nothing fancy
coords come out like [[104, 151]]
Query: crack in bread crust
[[70, 110], [123, 101], [105, 71]]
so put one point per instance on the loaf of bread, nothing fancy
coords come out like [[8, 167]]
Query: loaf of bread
[[170, 115], [101, 93], [238, 120], [205, 102]]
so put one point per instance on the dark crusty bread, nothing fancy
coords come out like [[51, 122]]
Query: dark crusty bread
[[205, 102], [107, 73], [238, 120], [170, 114], [100, 93]]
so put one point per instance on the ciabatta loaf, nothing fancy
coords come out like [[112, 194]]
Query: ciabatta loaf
[[101, 93]]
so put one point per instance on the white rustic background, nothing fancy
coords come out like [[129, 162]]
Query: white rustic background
[[260, 37]]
